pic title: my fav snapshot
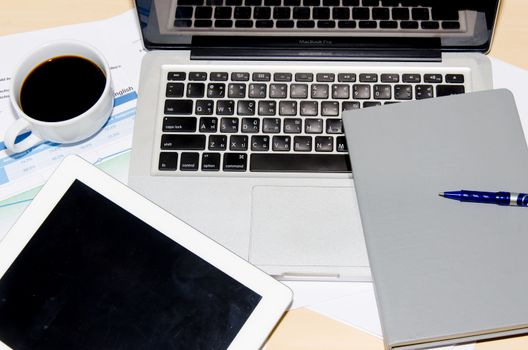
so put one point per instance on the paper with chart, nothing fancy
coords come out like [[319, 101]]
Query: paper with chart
[[119, 40]]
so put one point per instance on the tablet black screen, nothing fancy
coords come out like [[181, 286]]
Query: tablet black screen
[[96, 277]]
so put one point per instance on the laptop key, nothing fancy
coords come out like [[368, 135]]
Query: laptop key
[[189, 161], [319, 91], [301, 13], [382, 92], [450, 25], [242, 12], [292, 2], [324, 163], [334, 126], [311, 2], [368, 104], [281, 143], [309, 108], [313, 126], [182, 107], [409, 25], [179, 124], [222, 12], [325, 77], [299, 90], [260, 143], [243, 24], [429, 25], [433, 78], [321, 13], [238, 143], [368, 78], [330, 108], [176, 76], [217, 142], [361, 13], [424, 91], [204, 107], [348, 106], [361, 91], [184, 12], [210, 161], [229, 125], [216, 90], [246, 107], [367, 24], [174, 90], [168, 161], [271, 125], [272, 2], [284, 24], [340, 13], [185, 23], [287, 108], [235, 162], [346, 77], [390, 78], [267, 108], [202, 23], [182, 142], [260, 76], [250, 125], [302, 143], [219, 76], [240, 76], [282, 77], [341, 145], [253, 2], [303, 77], [454, 78], [292, 125], [264, 24], [411, 78], [388, 24], [403, 92], [203, 12], [340, 91], [236, 90], [208, 124], [346, 24], [190, 2], [444, 90], [225, 107], [233, 2], [420, 14], [257, 90], [381, 13], [324, 143], [261, 12], [281, 12], [278, 90], [400, 13], [195, 89]]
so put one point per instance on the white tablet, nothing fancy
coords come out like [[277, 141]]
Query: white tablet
[[91, 264]]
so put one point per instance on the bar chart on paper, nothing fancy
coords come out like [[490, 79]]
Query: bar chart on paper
[[30, 169]]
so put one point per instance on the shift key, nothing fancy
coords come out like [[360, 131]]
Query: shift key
[[182, 142], [179, 107]]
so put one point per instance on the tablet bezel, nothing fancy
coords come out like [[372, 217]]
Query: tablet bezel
[[276, 297]]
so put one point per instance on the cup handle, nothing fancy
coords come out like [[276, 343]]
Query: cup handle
[[14, 130]]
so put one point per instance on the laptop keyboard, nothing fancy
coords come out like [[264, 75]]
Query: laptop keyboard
[[239, 121], [306, 15]]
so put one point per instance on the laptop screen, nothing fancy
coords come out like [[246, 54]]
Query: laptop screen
[[321, 25]]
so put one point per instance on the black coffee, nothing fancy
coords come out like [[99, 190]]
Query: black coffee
[[61, 88]]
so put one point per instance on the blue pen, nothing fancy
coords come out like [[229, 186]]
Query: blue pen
[[500, 198]]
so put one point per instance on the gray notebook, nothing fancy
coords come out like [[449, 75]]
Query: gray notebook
[[445, 272]]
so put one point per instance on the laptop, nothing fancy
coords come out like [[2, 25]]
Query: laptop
[[238, 129]]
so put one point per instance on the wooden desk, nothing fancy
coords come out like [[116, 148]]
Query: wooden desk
[[510, 44]]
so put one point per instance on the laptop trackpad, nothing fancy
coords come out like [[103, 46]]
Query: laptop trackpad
[[306, 226]]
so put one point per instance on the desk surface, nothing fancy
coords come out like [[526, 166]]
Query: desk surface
[[510, 44]]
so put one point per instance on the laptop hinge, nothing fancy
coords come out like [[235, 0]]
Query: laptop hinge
[[332, 49]]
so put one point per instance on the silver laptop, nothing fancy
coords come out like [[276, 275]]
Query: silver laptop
[[238, 128]]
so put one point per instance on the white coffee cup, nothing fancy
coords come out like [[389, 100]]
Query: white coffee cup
[[68, 131]]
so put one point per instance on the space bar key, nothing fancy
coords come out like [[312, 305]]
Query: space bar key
[[324, 163]]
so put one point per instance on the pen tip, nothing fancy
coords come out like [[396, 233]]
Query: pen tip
[[441, 195]]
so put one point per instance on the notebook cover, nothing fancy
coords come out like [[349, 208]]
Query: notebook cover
[[445, 272]]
